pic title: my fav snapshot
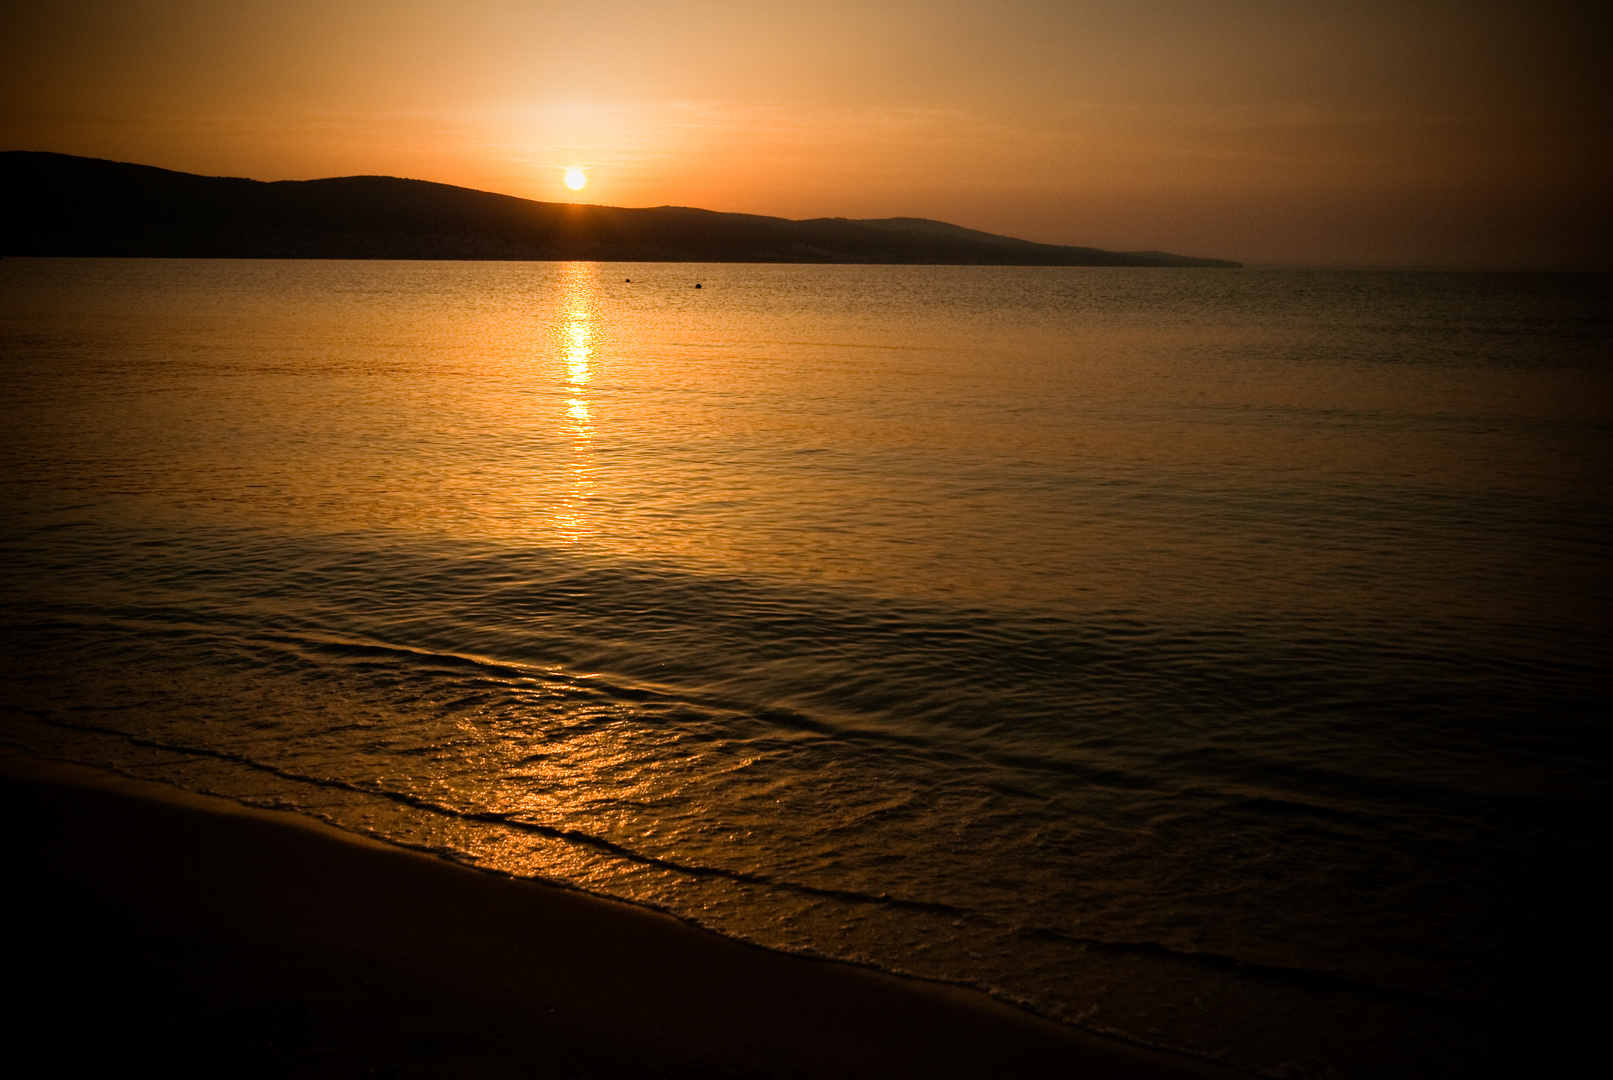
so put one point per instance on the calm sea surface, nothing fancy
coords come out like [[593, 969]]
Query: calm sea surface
[[1219, 658]]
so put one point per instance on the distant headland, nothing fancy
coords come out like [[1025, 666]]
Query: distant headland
[[58, 204]]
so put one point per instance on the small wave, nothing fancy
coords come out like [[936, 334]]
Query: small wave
[[510, 821], [1306, 978]]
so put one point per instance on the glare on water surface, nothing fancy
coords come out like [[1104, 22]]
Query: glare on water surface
[[574, 332]]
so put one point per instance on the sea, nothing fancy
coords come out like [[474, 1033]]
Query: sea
[[1215, 659]]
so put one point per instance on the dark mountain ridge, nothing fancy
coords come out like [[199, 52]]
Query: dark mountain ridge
[[58, 204]]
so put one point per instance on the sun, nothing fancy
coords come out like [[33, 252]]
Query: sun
[[575, 179]]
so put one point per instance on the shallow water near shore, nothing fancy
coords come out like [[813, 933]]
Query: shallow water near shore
[[1214, 658]]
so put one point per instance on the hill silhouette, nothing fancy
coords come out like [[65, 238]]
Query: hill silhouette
[[59, 204]]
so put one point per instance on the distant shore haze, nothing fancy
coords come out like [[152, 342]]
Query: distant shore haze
[[64, 205]]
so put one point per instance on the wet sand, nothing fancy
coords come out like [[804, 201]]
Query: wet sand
[[199, 936]]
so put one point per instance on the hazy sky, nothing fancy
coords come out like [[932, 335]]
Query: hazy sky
[[1406, 133]]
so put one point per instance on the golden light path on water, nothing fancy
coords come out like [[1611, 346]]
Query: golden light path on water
[[574, 333]]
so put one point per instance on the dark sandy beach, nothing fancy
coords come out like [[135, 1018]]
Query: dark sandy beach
[[164, 929]]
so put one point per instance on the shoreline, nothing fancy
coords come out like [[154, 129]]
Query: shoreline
[[211, 936]]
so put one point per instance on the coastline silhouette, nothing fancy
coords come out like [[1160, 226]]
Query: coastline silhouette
[[75, 206]]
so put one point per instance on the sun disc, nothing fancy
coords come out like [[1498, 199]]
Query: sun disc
[[575, 179]]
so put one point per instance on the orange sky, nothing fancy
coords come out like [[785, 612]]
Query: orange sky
[[1372, 133]]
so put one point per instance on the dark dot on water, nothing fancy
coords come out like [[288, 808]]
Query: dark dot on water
[[697, 284]]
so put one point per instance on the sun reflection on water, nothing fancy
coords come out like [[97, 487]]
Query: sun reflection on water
[[575, 334]]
